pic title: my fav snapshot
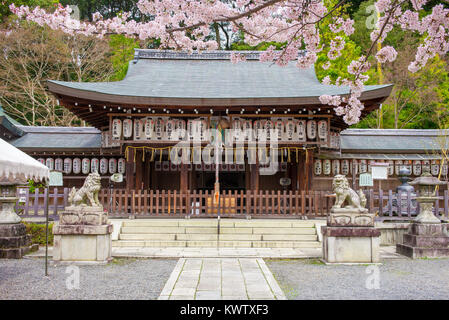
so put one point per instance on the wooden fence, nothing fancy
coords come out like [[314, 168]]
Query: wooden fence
[[273, 204]]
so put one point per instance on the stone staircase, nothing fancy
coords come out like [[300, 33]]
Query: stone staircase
[[256, 233]]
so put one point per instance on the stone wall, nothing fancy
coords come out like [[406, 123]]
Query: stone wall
[[391, 232]]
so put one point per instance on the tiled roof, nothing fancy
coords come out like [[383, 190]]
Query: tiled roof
[[210, 75]]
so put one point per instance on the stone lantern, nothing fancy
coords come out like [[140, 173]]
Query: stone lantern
[[16, 168], [426, 186], [427, 236]]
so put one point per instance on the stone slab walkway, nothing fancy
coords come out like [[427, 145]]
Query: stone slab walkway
[[221, 279]]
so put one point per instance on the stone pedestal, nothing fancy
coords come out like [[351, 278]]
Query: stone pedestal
[[425, 240], [14, 241], [82, 235], [350, 237]]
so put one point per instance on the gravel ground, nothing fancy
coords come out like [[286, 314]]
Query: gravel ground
[[398, 279], [120, 279]]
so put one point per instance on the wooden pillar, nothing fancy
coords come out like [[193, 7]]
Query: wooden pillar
[[129, 170], [183, 178], [146, 173], [154, 176], [139, 170], [254, 177], [293, 174], [308, 170], [300, 172]]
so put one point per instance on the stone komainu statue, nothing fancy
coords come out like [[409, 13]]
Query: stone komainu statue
[[344, 193], [87, 195]]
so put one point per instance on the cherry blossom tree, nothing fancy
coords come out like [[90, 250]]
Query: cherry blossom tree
[[186, 25]]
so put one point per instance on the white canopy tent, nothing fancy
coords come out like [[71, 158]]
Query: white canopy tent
[[16, 167]]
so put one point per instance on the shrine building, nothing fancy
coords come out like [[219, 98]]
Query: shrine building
[[158, 125]]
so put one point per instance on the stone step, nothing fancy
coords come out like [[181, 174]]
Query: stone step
[[284, 230], [227, 230], [148, 236], [213, 244], [210, 237], [266, 223], [171, 223], [289, 237], [286, 244], [237, 223], [240, 233], [177, 230]]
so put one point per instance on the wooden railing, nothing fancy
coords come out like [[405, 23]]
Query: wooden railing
[[273, 204]]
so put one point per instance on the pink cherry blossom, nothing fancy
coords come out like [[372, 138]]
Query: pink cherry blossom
[[185, 25]]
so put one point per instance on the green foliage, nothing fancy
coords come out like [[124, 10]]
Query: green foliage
[[352, 50], [33, 185], [242, 46], [122, 49], [37, 232], [107, 8]]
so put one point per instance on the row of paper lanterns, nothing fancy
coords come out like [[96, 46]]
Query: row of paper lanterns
[[85, 165], [173, 129], [170, 166], [350, 167]]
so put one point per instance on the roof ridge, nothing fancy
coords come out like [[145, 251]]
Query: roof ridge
[[196, 55]]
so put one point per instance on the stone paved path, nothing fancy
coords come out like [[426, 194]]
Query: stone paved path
[[221, 279]]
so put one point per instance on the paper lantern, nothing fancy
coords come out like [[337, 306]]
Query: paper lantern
[[267, 127], [59, 164], [159, 128], [417, 168], [425, 166], [67, 165], [149, 128], [94, 165], [112, 166], [127, 128], [121, 165], [85, 166], [311, 129], [435, 167], [116, 128], [345, 167], [237, 129], [327, 167], [170, 130], [248, 130], [289, 130], [397, 166], [317, 167], [322, 130], [390, 167], [279, 126], [138, 129], [335, 167], [50, 163], [181, 128], [300, 133], [76, 165], [363, 166], [104, 166]]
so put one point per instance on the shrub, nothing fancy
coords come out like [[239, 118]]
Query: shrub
[[37, 232]]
